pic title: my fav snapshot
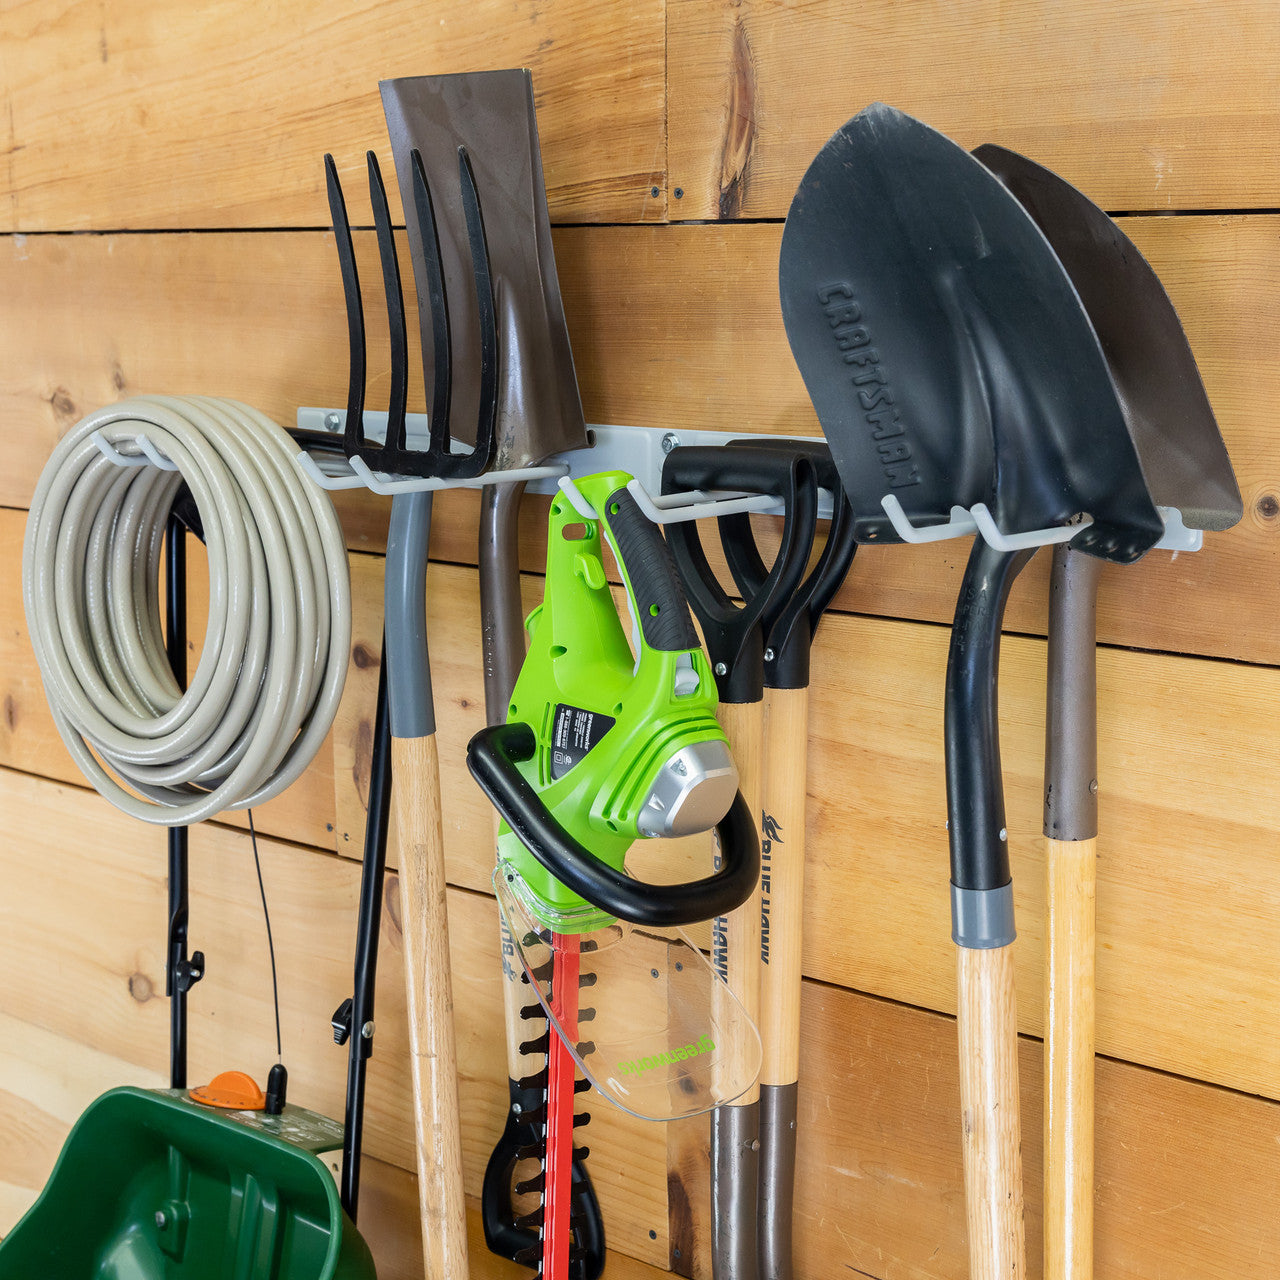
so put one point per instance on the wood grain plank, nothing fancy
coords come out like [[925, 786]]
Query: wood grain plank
[[879, 1187], [46, 1081], [132, 115], [1185, 974], [1186, 826], [678, 327], [1146, 106], [81, 957], [1185, 1171]]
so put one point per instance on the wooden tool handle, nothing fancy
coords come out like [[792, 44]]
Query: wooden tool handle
[[988, 1025], [1069, 1046], [425, 924], [786, 725], [737, 935], [515, 994]]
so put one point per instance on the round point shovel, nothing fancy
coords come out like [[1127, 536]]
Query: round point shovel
[[1186, 467], [952, 364]]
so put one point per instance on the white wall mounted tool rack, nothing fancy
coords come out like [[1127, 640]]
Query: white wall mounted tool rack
[[639, 451]]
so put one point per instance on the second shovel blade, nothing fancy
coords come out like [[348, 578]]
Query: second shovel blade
[[1179, 445]]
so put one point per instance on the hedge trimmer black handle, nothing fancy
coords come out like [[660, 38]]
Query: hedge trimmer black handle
[[492, 756]]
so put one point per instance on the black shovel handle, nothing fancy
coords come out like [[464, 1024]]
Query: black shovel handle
[[492, 756], [733, 632], [975, 788], [790, 621]]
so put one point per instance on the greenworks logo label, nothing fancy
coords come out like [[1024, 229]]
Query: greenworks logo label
[[638, 1066]]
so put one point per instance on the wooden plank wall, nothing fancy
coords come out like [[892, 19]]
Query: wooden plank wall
[[186, 142]]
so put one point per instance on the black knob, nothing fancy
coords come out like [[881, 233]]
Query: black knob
[[277, 1087], [341, 1022]]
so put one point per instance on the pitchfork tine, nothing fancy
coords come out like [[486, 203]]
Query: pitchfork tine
[[399, 399], [440, 337], [488, 318], [355, 312], [393, 455]]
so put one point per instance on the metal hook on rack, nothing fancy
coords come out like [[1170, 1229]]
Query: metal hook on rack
[[673, 508], [147, 455], [979, 520]]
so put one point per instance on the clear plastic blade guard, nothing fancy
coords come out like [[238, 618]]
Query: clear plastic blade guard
[[667, 1037]]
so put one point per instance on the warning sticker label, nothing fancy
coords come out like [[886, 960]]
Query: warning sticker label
[[574, 733]]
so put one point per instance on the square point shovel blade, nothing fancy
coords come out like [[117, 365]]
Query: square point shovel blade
[[945, 349], [1179, 445], [491, 113]]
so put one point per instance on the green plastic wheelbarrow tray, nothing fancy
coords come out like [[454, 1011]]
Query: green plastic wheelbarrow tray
[[152, 1186]]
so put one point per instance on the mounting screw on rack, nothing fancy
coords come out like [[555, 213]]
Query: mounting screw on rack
[[670, 441], [367, 1030], [332, 422]]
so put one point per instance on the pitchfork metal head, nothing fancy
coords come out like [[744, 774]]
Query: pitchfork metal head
[[394, 455]]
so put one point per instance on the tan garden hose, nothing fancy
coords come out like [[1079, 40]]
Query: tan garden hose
[[274, 660]]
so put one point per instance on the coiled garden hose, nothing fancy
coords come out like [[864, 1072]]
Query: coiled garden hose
[[266, 688]]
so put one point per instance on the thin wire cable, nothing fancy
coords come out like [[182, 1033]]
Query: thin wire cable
[[271, 946]]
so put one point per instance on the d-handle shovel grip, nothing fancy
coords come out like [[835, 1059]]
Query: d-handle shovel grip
[[492, 756]]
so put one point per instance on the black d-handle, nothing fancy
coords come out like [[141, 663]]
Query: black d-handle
[[492, 756], [732, 631]]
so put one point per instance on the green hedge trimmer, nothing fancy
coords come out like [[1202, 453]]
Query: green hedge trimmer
[[609, 741]]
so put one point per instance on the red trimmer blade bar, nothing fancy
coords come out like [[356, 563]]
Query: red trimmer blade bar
[[557, 1231]]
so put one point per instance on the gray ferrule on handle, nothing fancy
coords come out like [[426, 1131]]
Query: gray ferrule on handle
[[982, 919], [405, 602], [1071, 719], [777, 1178], [735, 1160]]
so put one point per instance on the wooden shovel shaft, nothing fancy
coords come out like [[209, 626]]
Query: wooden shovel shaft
[[991, 1133], [786, 724], [1069, 1047], [425, 926], [515, 994], [735, 1126], [1071, 830], [743, 723]]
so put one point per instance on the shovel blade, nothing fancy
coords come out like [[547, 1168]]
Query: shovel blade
[[945, 349], [1179, 444], [491, 114]]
